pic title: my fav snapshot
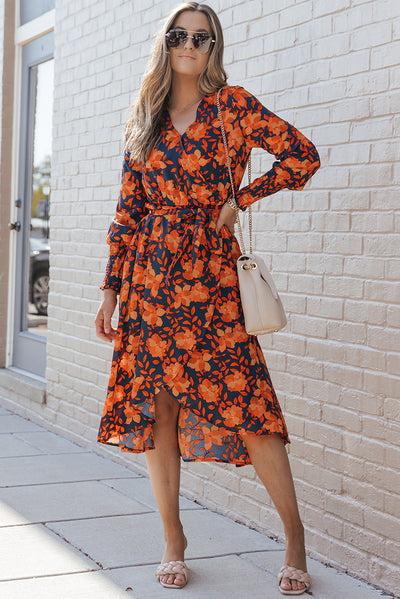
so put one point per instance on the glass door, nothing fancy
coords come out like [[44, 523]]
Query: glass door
[[33, 204]]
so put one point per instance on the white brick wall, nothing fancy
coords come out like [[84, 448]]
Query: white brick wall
[[331, 68]]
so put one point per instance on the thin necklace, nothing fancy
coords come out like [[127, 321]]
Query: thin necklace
[[186, 107]]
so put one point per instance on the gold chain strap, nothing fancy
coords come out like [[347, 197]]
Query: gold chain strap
[[243, 249]]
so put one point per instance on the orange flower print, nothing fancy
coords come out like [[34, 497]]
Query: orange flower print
[[175, 377], [152, 314], [172, 240], [183, 296], [131, 414], [257, 408], [236, 381], [194, 161], [229, 311], [153, 281], [200, 361], [185, 340], [157, 346], [232, 416], [193, 272], [213, 436], [209, 391]]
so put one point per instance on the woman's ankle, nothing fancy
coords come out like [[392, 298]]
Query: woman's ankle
[[174, 534], [295, 533]]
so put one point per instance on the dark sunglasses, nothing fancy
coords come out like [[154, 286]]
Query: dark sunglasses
[[176, 38]]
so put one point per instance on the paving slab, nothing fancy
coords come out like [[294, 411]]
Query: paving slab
[[209, 578], [58, 468], [140, 490], [35, 551], [49, 442], [326, 582], [63, 501], [133, 540], [11, 445], [91, 585], [14, 423]]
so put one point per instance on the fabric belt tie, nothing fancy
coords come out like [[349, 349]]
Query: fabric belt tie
[[194, 240]]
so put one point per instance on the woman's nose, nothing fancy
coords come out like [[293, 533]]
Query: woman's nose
[[188, 42]]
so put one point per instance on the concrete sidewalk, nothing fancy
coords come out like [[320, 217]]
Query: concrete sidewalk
[[78, 525]]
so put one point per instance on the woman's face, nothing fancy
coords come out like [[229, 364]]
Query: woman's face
[[186, 60]]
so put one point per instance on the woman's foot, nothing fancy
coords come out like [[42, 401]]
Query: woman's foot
[[176, 544], [295, 556]]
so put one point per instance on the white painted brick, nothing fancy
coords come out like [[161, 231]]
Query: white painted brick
[[370, 176], [347, 332], [361, 85], [325, 307], [345, 287], [342, 244], [312, 327], [373, 268], [371, 130], [350, 64], [384, 339], [324, 7], [365, 357], [330, 221], [381, 245], [321, 93], [350, 199], [385, 56], [374, 34]]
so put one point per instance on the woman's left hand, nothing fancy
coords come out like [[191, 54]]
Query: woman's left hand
[[227, 216]]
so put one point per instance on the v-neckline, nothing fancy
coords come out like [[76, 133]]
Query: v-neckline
[[191, 124]]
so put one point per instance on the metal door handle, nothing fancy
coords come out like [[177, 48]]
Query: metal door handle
[[16, 226]]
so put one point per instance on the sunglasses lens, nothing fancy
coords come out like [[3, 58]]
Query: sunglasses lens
[[176, 38], [202, 42]]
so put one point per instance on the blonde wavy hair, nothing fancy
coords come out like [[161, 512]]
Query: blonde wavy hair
[[144, 124]]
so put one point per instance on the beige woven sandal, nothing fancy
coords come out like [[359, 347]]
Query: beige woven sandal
[[294, 574], [172, 568]]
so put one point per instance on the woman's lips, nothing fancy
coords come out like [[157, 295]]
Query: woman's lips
[[186, 56]]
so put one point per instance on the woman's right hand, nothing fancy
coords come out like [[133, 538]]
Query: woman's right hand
[[104, 330]]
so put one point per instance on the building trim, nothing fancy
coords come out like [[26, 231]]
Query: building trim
[[35, 28]]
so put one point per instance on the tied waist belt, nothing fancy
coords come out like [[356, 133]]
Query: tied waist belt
[[180, 210], [205, 238]]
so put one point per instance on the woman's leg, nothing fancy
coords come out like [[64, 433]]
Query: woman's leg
[[163, 464], [270, 460]]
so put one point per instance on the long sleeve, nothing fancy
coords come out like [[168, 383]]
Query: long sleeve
[[297, 157], [130, 209]]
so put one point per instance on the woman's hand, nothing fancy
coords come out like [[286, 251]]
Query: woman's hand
[[104, 314], [227, 216]]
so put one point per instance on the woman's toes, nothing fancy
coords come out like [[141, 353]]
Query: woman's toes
[[285, 584], [288, 584], [297, 586]]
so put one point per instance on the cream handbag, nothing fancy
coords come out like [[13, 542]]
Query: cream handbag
[[261, 304]]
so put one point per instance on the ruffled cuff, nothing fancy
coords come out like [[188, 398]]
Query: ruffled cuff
[[119, 237]]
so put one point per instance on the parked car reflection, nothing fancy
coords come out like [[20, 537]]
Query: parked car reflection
[[39, 274]]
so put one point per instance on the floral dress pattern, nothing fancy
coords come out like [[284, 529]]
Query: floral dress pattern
[[181, 326]]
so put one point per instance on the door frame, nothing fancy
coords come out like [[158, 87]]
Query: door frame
[[23, 35]]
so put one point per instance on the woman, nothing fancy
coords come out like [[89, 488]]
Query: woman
[[186, 379]]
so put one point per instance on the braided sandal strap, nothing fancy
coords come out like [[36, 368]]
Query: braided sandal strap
[[294, 574], [172, 568]]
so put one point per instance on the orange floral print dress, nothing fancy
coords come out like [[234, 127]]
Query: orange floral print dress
[[181, 326]]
